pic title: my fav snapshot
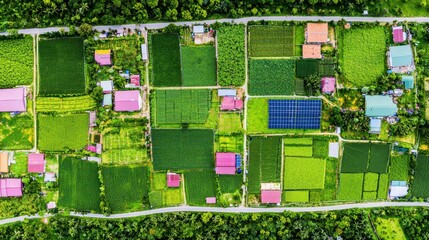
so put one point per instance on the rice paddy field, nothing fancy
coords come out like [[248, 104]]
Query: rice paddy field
[[271, 77], [165, 56], [79, 186], [271, 41], [199, 185], [355, 157], [58, 133], [67, 104], [399, 167], [379, 158], [421, 177], [126, 187], [199, 66], [296, 196], [350, 186], [182, 106], [61, 68], [175, 149], [16, 62], [304, 173], [306, 67]]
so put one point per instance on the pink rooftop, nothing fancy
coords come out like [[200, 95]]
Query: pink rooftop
[[91, 148], [128, 101], [173, 180], [36, 163], [13, 100], [231, 103], [225, 170], [328, 84], [102, 57], [398, 34], [210, 200], [271, 196], [10, 187], [225, 159], [135, 80]]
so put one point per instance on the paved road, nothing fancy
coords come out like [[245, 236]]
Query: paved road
[[230, 210], [245, 20]]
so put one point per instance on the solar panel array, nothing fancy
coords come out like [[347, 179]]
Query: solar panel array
[[294, 114]]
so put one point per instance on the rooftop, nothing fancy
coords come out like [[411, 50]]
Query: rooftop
[[173, 180], [107, 99], [408, 81], [271, 196], [226, 92], [103, 57], [400, 56], [4, 162], [225, 170], [13, 100], [398, 34], [10, 187], [317, 32], [380, 106], [375, 125], [36, 162], [128, 101], [107, 86], [225, 159], [311, 51], [231, 104], [327, 85]]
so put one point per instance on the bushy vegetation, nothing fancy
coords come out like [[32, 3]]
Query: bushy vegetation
[[16, 61], [199, 66], [200, 185], [61, 66], [271, 77], [166, 60], [271, 41], [231, 55], [304, 173], [16, 132], [63, 105]]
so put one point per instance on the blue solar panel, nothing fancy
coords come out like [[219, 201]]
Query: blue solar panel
[[294, 114]]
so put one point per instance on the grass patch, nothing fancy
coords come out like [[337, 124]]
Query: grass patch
[[379, 158], [399, 167], [200, 185], [304, 173], [20, 167], [271, 41], [229, 123], [166, 60], [230, 183], [355, 157], [61, 67], [199, 66], [229, 143], [299, 39], [370, 182], [296, 196], [389, 228], [16, 62], [299, 151], [350, 186], [16, 132]]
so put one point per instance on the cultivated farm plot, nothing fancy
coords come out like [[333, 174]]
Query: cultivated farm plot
[[176, 149], [399, 165], [126, 187], [199, 66], [67, 104], [379, 158], [16, 132], [304, 173], [229, 123], [271, 77], [271, 41], [370, 183], [363, 55], [161, 195], [296, 196], [299, 151], [306, 67], [165, 56], [355, 157], [16, 62], [79, 185], [200, 185], [57, 133], [182, 106], [351, 186], [230, 143], [421, 177], [61, 66], [230, 183]]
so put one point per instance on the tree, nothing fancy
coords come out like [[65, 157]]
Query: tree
[[312, 85], [85, 30], [97, 93]]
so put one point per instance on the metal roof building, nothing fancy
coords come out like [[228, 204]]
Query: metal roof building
[[379, 106]]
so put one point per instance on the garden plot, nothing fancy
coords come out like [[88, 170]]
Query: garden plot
[[62, 132], [421, 177], [230, 183], [126, 52], [296, 196], [126, 187], [399, 167], [304, 173], [79, 185], [229, 123], [363, 54], [200, 185], [271, 41], [175, 149], [350, 186], [161, 195], [63, 105], [61, 67], [182, 106], [165, 56], [379, 158], [230, 143], [271, 77], [16, 132], [199, 66], [20, 167], [16, 62], [355, 157]]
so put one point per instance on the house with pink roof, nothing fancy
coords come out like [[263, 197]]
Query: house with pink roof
[[13, 100], [231, 104], [173, 180], [211, 200], [135, 80], [328, 85], [10, 187], [271, 196], [102, 57], [36, 163], [128, 101], [398, 34], [225, 163]]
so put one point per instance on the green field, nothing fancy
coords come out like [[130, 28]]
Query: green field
[[350, 186], [175, 149], [230, 143], [383, 186], [161, 195], [369, 196], [20, 167], [304, 173], [67, 104], [199, 66], [307, 67], [166, 67], [362, 54], [389, 229], [399, 165], [320, 148], [79, 185], [370, 183], [298, 141], [231, 55], [355, 157], [61, 69], [379, 158], [299, 151], [16, 132], [271, 41], [271, 77], [230, 183], [229, 123], [58, 133], [16, 62], [200, 185], [126, 187], [296, 196], [182, 106], [421, 177]]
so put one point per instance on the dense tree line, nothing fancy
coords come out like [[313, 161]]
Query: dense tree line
[[350, 224]]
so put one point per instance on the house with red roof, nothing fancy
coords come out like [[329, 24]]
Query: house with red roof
[[399, 35], [173, 180], [135, 80], [10, 187], [231, 104], [328, 85], [225, 163], [102, 57], [128, 101], [13, 100], [36, 163], [271, 196]]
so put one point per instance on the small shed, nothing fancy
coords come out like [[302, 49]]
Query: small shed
[[198, 29], [135, 80], [128, 101], [107, 86], [211, 200], [173, 180], [380, 106], [13, 100], [271, 196], [10, 187], [144, 52], [398, 189], [334, 149], [408, 81], [328, 85], [51, 205], [50, 177], [375, 125], [102, 57], [225, 170], [91, 148], [311, 51], [98, 148], [227, 92], [92, 119], [4, 162], [107, 99], [398, 34], [36, 163]]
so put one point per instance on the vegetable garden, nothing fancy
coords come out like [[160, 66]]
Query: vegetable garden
[[199, 185], [63, 105], [271, 41], [166, 60], [421, 177], [16, 62], [199, 66], [16, 132]]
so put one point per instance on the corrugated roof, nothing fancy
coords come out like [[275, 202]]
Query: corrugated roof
[[225, 170], [173, 180], [408, 81], [317, 32], [107, 99], [398, 34], [107, 86], [102, 57], [375, 125], [127, 101], [271, 196], [380, 106], [311, 51], [13, 100], [10, 187], [226, 92], [36, 162], [4, 164], [401, 56], [328, 84], [225, 159]]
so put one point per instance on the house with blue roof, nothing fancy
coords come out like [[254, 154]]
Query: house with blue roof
[[401, 59], [380, 106], [408, 81]]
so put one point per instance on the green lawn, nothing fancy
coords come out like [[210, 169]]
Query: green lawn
[[199, 66], [229, 123]]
